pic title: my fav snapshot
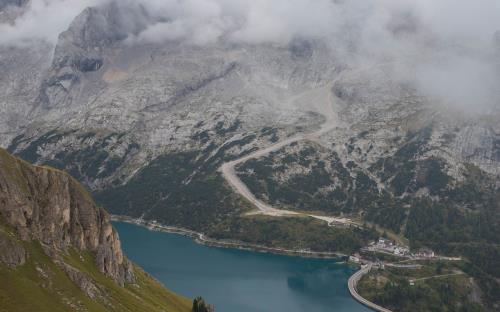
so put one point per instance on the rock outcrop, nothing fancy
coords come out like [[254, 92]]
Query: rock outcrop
[[82, 280], [12, 253], [48, 205]]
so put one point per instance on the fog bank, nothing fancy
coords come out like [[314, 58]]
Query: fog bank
[[446, 47]]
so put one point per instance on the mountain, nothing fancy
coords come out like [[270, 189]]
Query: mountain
[[146, 125], [60, 251]]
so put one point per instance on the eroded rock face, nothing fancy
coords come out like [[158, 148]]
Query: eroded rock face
[[88, 64], [48, 205], [12, 254], [82, 49], [84, 282]]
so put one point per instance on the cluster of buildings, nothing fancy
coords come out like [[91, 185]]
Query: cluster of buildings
[[385, 245]]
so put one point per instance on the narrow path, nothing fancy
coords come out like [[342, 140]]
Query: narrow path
[[436, 276], [353, 282], [404, 266], [320, 100]]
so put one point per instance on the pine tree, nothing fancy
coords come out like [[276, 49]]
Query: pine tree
[[199, 305]]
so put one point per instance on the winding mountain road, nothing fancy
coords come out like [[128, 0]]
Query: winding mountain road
[[320, 100]]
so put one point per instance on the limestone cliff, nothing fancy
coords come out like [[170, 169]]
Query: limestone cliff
[[49, 206], [59, 251]]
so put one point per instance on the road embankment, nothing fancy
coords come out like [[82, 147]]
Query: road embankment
[[352, 284]]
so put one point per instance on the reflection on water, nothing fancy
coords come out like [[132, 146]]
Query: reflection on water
[[236, 280]]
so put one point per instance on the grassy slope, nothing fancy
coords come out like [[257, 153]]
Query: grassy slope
[[41, 285]]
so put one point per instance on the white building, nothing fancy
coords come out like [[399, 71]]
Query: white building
[[426, 253], [354, 259]]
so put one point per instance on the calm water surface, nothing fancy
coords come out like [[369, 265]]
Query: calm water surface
[[236, 280]]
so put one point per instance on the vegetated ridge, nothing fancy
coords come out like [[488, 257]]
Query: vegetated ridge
[[60, 251]]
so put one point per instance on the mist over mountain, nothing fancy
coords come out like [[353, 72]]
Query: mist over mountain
[[384, 111], [170, 76], [445, 48]]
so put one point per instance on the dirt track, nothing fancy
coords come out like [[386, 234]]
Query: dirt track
[[320, 100]]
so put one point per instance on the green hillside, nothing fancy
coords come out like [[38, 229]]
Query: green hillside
[[72, 261]]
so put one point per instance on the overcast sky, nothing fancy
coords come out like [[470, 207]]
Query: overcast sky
[[450, 41], [205, 21]]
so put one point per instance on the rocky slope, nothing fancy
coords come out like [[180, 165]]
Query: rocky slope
[[49, 206], [103, 108], [146, 125], [116, 113], [45, 207]]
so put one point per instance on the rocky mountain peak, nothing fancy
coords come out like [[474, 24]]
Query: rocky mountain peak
[[95, 28]]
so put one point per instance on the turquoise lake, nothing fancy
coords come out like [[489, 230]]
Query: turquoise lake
[[239, 281]]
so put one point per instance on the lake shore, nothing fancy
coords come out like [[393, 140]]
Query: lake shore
[[202, 239]]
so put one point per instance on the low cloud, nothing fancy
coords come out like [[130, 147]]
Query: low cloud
[[249, 21], [42, 20], [447, 46]]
